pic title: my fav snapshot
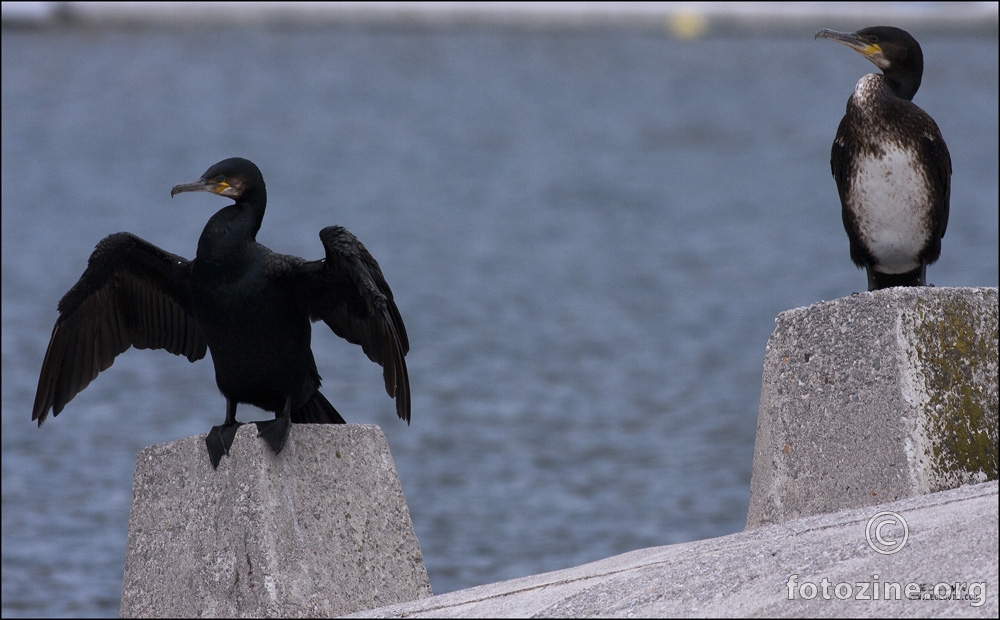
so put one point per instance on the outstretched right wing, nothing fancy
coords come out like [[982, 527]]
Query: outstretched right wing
[[132, 294], [350, 294]]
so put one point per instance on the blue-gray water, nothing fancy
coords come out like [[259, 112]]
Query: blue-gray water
[[588, 234]]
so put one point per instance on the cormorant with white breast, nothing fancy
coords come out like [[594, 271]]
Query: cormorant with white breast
[[249, 306], [891, 165]]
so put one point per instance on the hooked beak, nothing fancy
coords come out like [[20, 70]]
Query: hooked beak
[[201, 185], [871, 51]]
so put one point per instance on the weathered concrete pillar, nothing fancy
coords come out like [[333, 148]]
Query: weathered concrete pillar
[[876, 397], [320, 530]]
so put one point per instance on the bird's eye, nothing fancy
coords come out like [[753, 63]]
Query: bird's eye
[[220, 178], [874, 38]]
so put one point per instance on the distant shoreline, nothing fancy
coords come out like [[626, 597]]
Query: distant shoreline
[[687, 19]]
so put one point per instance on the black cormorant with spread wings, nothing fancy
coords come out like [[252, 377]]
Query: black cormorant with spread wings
[[251, 307], [891, 165]]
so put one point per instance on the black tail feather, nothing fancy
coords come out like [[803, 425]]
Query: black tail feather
[[317, 411]]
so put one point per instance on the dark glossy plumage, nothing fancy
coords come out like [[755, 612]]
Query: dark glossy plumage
[[890, 163], [249, 306]]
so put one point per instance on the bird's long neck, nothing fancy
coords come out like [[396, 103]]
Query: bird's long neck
[[905, 82], [228, 233]]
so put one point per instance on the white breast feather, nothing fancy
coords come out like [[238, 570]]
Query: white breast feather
[[889, 203]]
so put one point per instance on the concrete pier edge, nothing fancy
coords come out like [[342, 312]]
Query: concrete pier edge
[[952, 539]]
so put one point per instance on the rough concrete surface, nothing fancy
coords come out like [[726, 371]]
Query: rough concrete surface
[[876, 397], [320, 530], [952, 539]]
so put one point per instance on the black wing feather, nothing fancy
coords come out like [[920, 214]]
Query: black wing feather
[[842, 167], [132, 294], [936, 152], [349, 293]]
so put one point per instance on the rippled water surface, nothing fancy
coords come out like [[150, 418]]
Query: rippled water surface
[[588, 234]]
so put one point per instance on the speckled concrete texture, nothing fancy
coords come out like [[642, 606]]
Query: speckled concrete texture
[[876, 397], [820, 566], [320, 530]]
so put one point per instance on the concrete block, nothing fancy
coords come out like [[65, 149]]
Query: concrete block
[[876, 397], [320, 530]]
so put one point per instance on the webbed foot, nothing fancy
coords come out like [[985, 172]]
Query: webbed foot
[[219, 440], [275, 431]]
